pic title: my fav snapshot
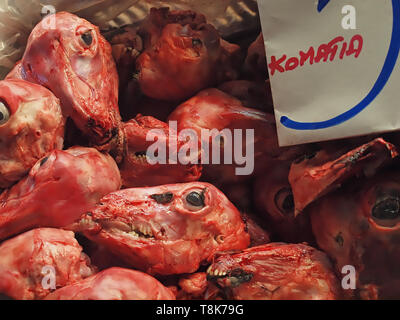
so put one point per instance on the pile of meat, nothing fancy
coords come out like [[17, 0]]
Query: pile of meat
[[84, 214]]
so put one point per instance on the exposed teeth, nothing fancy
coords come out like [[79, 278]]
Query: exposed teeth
[[133, 233], [216, 273], [136, 229], [85, 221], [142, 231], [141, 157], [85, 224], [116, 225], [209, 269], [146, 230]]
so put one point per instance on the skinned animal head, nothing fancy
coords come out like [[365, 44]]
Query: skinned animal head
[[166, 229]]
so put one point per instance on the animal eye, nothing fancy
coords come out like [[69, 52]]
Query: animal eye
[[387, 209], [87, 38], [197, 43], [4, 114], [284, 200], [43, 161], [196, 199]]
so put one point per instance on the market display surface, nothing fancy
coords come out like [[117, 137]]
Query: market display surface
[[83, 202]]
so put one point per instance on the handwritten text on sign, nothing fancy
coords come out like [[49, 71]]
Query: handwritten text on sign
[[323, 53], [333, 72]]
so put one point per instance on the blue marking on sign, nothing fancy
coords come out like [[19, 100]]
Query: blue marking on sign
[[322, 4], [390, 63]]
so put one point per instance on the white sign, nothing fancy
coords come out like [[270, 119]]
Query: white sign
[[333, 66]]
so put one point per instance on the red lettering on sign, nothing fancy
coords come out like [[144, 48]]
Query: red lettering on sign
[[343, 51], [352, 48], [291, 64], [276, 64], [305, 56], [325, 52]]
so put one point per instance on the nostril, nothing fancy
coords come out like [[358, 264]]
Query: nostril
[[163, 231]]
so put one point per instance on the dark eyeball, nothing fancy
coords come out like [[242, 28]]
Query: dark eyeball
[[196, 199], [197, 43], [387, 209], [4, 114], [43, 161], [284, 201], [87, 38]]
